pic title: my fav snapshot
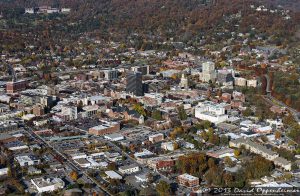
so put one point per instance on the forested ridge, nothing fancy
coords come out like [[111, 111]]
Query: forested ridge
[[160, 18]]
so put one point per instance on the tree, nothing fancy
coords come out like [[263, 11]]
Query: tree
[[150, 177], [163, 188], [211, 163], [147, 191], [156, 114], [247, 112], [236, 152], [175, 146], [264, 138], [228, 162], [112, 166], [224, 140], [139, 109], [176, 131], [74, 175], [277, 135], [258, 167], [204, 135], [181, 113], [80, 105], [228, 178]]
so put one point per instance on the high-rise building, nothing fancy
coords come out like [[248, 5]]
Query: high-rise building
[[111, 74], [208, 72], [134, 83]]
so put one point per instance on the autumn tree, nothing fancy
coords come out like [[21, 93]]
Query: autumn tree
[[139, 108], [258, 167], [74, 175], [228, 162], [163, 188], [277, 135], [236, 152]]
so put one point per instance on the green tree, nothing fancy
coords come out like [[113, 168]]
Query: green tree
[[247, 112], [224, 140], [156, 114], [181, 113]]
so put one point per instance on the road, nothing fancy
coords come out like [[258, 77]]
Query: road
[[68, 162], [144, 168], [274, 101]]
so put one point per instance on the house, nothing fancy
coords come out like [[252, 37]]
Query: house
[[226, 97], [29, 10], [142, 177], [188, 180], [82, 162], [222, 153], [47, 184], [129, 169], [277, 110], [240, 81], [132, 115], [238, 96], [156, 138], [252, 83], [281, 162], [168, 146], [65, 10], [3, 171], [116, 112], [89, 111], [33, 170], [188, 145], [265, 130]]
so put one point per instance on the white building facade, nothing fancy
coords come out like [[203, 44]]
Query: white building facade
[[215, 113]]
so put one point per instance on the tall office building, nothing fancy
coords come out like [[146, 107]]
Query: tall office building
[[208, 72], [134, 83], [110, 74]]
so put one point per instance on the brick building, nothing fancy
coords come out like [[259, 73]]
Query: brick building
[[188, 180], [105, 128], [15, 86], [165, 164]]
